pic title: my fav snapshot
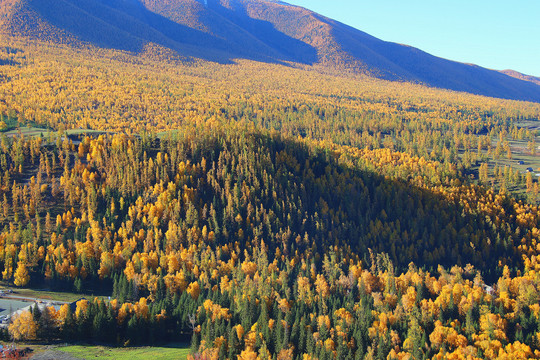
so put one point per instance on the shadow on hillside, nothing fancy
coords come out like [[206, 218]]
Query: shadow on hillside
[[365, 210], [129, 26], [8, 62], [331, 203], [266, 33]]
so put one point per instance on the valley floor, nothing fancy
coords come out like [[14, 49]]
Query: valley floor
[[98, 352], [172, 351]]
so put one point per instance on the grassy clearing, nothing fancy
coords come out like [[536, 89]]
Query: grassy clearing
[[11, 124], [36, 131], [173, 351], [76, 132], [50, 295], [28, 131]]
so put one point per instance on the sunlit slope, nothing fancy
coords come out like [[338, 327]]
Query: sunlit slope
[[518, 75], [223, 31]]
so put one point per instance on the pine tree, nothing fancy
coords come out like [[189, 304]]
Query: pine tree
[[415, 336], [77, 285], [161, 290], [36, 313], [68, 327], [133, 330]]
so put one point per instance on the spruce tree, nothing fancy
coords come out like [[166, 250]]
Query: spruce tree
[[36, 313]]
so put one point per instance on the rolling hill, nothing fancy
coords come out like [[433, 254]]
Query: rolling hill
[[267, 31]]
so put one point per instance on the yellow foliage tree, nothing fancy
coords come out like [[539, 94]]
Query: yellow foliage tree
[[194, 290], [23, 327], [22, 277], [248, 354]]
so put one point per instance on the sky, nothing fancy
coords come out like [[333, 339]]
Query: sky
[[494, 34]]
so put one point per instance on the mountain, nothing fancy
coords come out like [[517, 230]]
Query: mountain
[[521, 76], [268, 31]]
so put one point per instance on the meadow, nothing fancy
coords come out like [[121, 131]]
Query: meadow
[[174, 351]]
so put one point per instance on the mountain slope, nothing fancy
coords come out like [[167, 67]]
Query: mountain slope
[[339, 44], [124, 25], [518, 75], [224, 30]]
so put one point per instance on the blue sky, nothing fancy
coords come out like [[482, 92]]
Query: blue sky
[[494, 34]]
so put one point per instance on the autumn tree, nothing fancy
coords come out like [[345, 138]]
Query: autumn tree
[[23, 327]]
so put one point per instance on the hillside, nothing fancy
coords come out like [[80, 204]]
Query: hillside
[[224, 31], [235, 177], [254, 244], [521, 76]]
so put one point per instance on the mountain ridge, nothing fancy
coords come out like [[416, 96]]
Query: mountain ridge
[[266, 31], [521, 76]]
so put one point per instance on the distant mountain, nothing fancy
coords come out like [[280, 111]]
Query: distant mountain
[[268, 31], [521, 76]]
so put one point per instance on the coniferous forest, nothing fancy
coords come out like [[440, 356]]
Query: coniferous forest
[[262, 211]]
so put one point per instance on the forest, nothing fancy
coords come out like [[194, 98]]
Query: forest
[[325, 217]]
